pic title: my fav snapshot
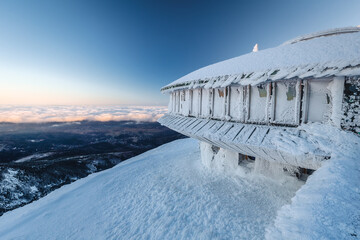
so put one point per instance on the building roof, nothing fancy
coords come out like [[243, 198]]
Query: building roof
[[334, 52]]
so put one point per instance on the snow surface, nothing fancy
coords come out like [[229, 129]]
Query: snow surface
[[328, 205], [165, 193], [337, 55]]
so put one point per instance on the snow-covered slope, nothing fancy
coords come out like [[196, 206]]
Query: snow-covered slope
[[165, 193]]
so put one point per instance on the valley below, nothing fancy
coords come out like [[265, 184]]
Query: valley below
[[37, 158]]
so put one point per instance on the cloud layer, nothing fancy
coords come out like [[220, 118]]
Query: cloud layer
[[18, 114]]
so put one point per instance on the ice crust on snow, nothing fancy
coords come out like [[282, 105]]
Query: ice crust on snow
[[333, 55]]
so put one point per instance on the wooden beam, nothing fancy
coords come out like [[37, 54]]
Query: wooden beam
[[211, 103], [228, 91], [305, 102], [273, 102], [200, 101], [242, 108], [269, 105], [298, 101], [247, 103], [190, 102]]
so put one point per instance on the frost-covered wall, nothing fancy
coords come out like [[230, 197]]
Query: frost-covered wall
[[258, 99], [185, 102], [351, 105], [195, 103], [286, 102], [285, 111], [319, 101], [236, 109], [219, 97]]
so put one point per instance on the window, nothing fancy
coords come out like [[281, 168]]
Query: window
[[285, 103], [319, 102], [258, 102], [221, 93], [262, 91], [291, 91]]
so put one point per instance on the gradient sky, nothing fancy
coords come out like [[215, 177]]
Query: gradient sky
[[123, 52]]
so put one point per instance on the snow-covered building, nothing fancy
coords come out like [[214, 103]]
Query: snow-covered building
[[233, 107]]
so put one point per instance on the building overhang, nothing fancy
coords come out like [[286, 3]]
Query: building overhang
[[287, 145]]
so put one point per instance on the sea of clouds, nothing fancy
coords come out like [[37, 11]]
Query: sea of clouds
[[27, 114]]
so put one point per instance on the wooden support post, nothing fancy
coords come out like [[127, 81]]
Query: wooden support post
[[179, 101], [298, 93], [337, 99], [247, 103], [228, 97], [174, 101], [211, 104], [242, 104], [190, 102], [305, 102], [200, 101], [269, 106], [273, 102], [223, 112]]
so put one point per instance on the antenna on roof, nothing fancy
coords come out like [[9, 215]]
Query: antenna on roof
[[256, 48]]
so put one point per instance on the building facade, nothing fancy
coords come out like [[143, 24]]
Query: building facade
[[239, 105]]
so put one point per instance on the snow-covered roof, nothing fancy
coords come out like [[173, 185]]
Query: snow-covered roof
[[330, 53]]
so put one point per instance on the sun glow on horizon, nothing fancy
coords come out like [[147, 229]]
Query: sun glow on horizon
[[123, 52], [36, 87]]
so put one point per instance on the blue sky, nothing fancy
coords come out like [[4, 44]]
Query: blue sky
[[122, 52]]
